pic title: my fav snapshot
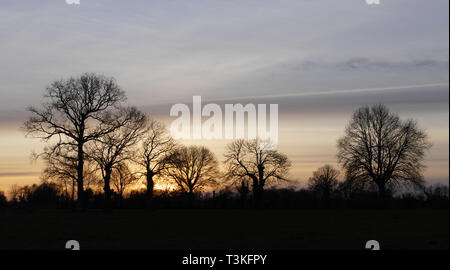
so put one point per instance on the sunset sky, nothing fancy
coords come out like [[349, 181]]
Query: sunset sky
[[318, 60]]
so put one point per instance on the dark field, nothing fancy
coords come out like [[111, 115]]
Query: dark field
[[225, 229]]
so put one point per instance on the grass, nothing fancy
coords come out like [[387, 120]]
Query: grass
[[225, 229]]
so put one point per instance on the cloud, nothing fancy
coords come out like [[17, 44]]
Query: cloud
[[363, 63], [366, 63], [170, 49], [9, 174], [337, 92]]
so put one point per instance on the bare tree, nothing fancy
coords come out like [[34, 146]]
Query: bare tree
[[354, 184], [243, 191], [256, 160], [61, 167], [324, 181], [156, 147], [437, 191], [116, 147], [77, 111], [3, 200], [380, 147], [14, 193], [21, 193], [192, 168], [122, 178]]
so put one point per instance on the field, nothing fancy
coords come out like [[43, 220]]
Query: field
[[225, 229]]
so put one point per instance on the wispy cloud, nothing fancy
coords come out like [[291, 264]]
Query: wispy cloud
[[334, 92], [12, 174]]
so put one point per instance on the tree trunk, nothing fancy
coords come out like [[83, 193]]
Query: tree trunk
[[381, 190], [326, 198], [106, 187], [150, 185], [149, 192], [258, 191], [120, 199], [191, 197], [80, 188]]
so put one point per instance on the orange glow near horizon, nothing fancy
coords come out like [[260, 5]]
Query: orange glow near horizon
[[309, 143]]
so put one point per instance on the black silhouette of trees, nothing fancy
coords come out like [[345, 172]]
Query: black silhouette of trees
[[3, 200], [257, 161], [324, 181], [192, 168], [436, 191], [380, 147], [156, 147], [61, 167], [77, 111], [116, 147], [38, 194], [122, 178], [14, 193], [353, 185], [243, 191]]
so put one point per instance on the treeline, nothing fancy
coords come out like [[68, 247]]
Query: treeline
[[48, 195], [99, 150]]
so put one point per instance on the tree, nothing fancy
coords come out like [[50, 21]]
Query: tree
[[324, 181], [20, 193], [243, 191], [61, 169], [77, 111], [437, 191], [45, 193], [114, 148], [192, 168], [3, 200], [256, 160], [381, 148], [122, 178], [156, 147], [355, 185]]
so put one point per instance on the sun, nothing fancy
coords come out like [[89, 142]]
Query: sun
[[168, 187], [157, 186]]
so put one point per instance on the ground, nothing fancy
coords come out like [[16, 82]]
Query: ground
[[225, 229]]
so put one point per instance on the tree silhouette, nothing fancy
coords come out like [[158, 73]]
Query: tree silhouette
[[243, 191], [122, 178], [61, 169], [354, 184], [77, 111], [153, 155], [380, 147], [256, 160], [324, 181], [192, 168], [3, 200], [114, 148], [18, 193]]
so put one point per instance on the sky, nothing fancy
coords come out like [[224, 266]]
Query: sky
[[318, 60]]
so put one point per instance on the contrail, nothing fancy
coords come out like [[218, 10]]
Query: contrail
[[310, 93], [347, 91]]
